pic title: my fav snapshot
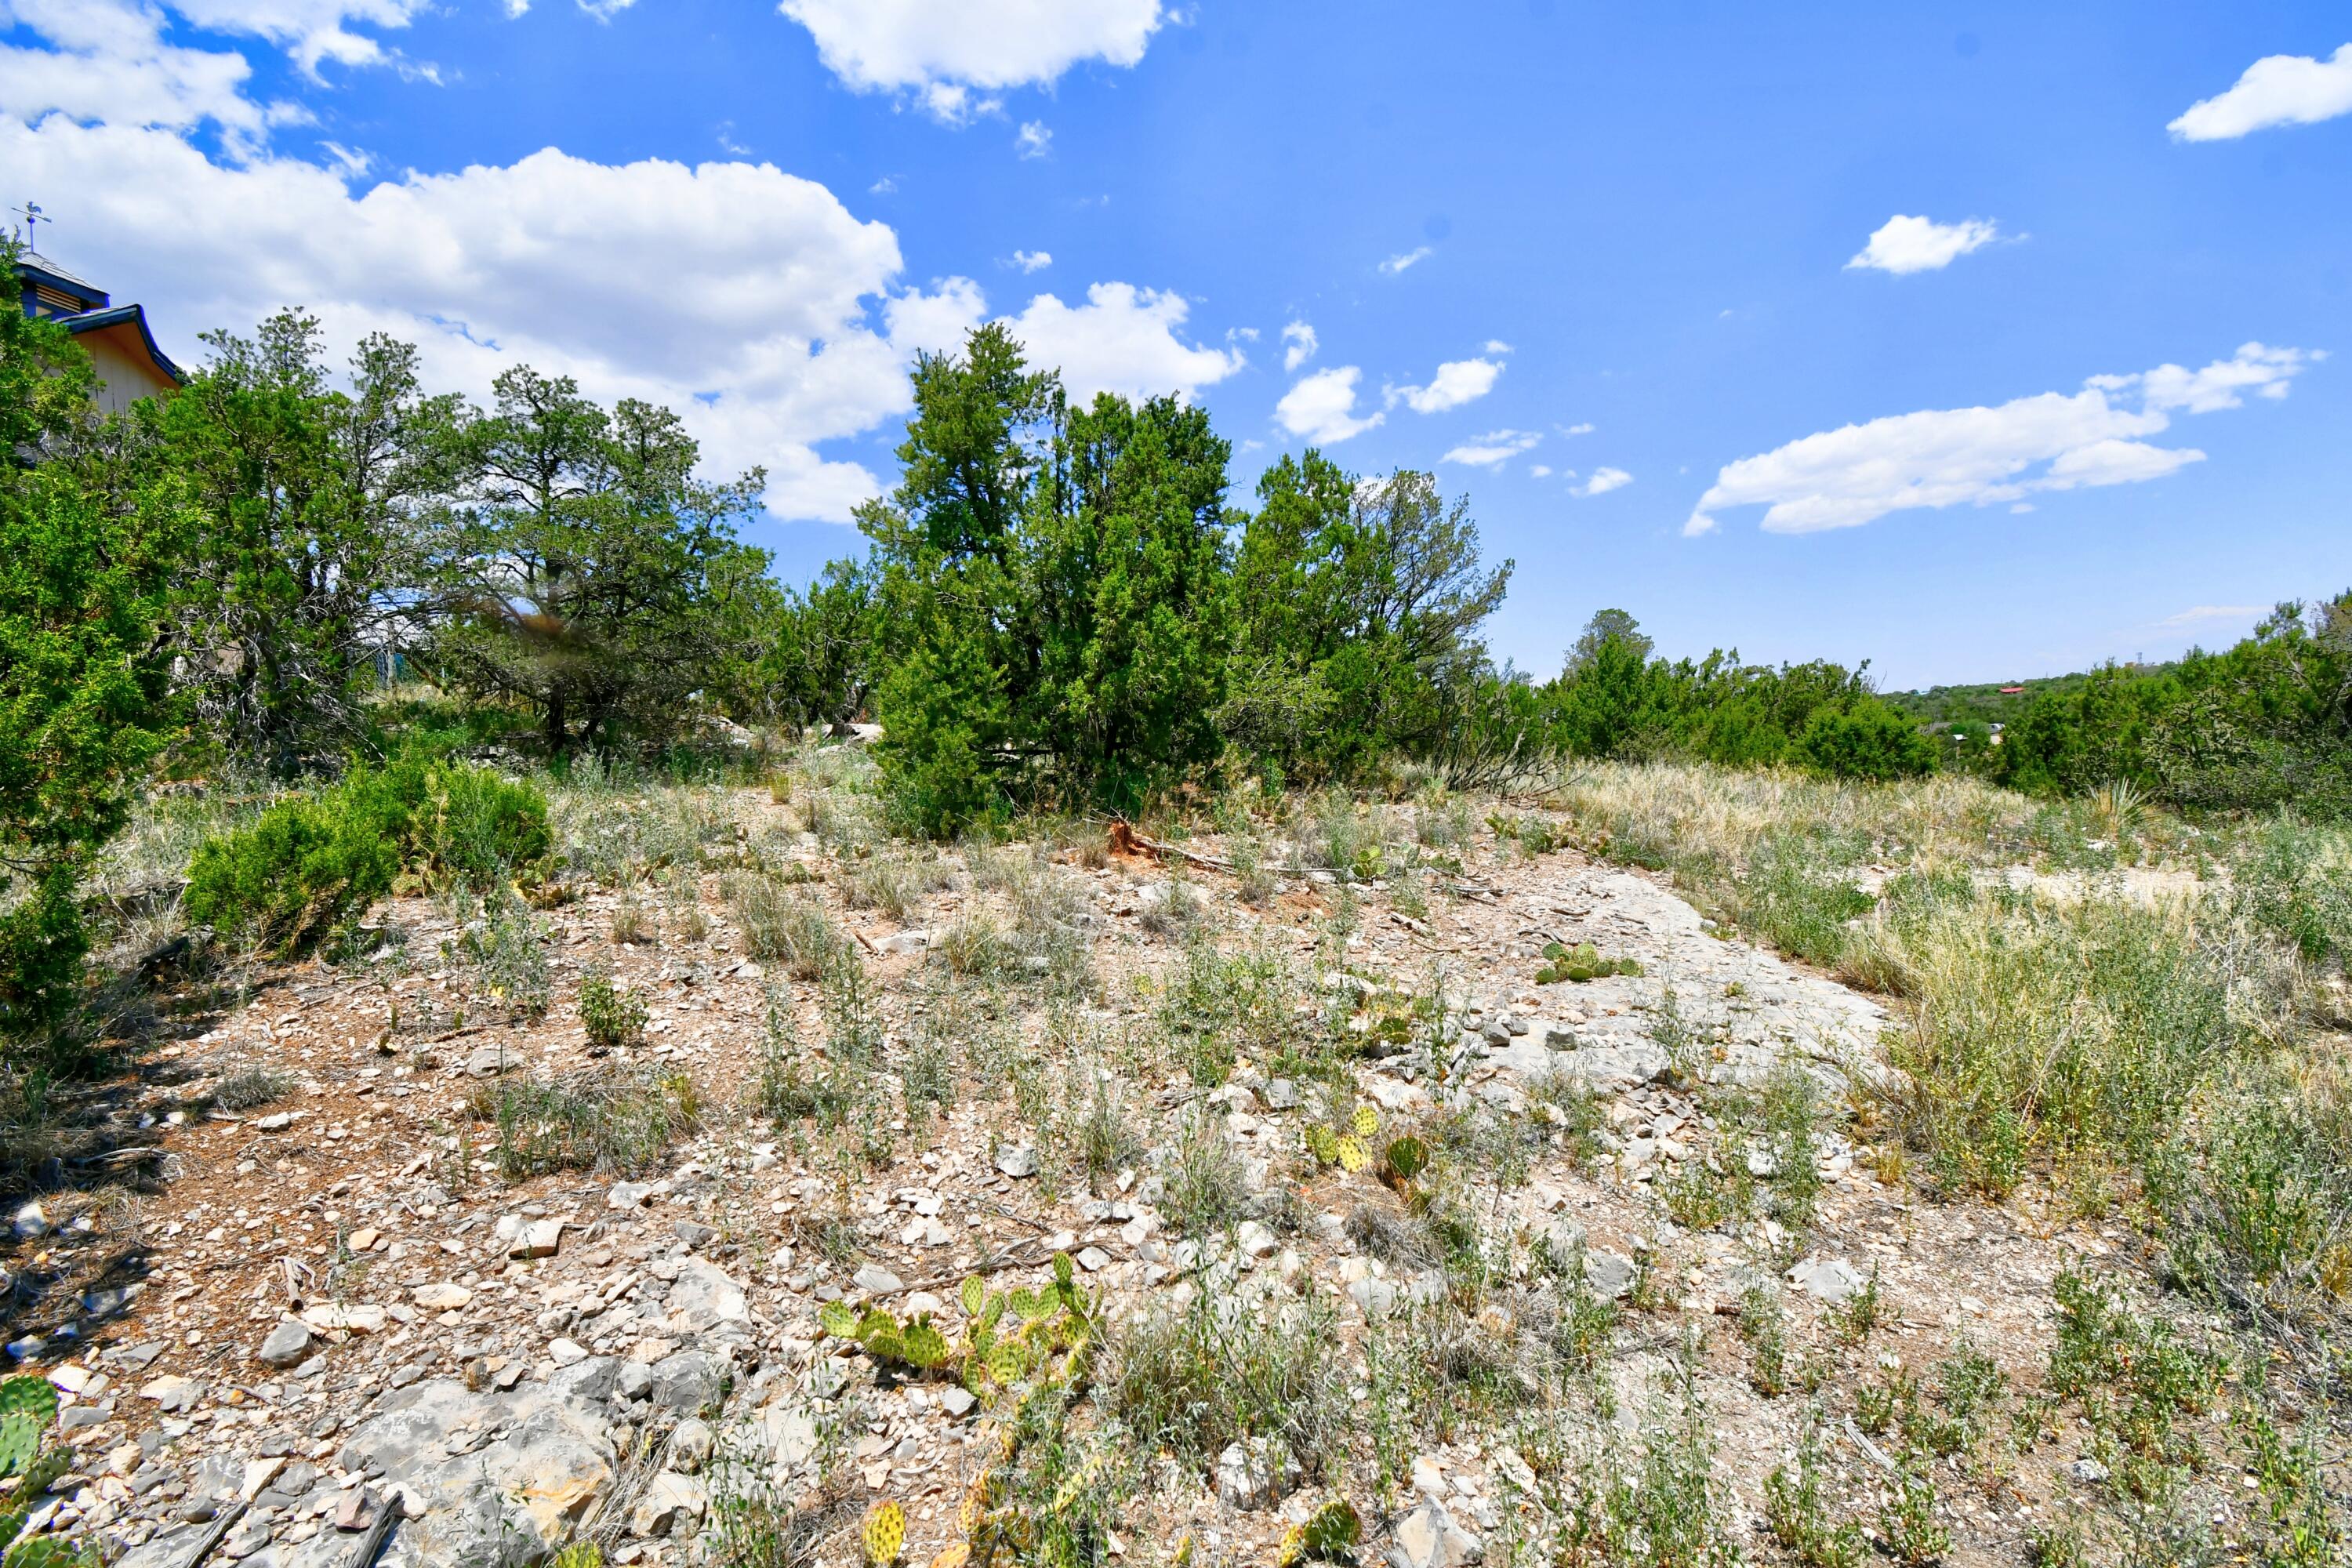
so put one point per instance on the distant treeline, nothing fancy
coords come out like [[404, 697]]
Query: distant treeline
[[2265, 723], [1059, 606]]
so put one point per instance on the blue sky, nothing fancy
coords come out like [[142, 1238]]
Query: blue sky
[[1980, 341]]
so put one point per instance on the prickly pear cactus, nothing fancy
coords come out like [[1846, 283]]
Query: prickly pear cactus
[[1333, 1531], [1406, 1157], [955, 1555], [884, 1533], [1350, 1151], [839, 1319], [579, 1554], [1007, 1361], [922, 1347], [27, 1406], [32, 1397], [20, 1440]]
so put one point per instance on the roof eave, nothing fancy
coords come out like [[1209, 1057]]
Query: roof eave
[[115, 316]]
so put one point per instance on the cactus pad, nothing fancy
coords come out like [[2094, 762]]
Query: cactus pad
[[20, 1440], [884, 1533], [922, 1346], [33, 1396], [1407, 1157]]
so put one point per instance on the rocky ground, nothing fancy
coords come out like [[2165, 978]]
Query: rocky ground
[[282, 1319]]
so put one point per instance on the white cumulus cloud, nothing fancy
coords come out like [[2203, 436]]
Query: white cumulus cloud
[[1602, 481], [1321, 407], [1982, 456], [1457, 382], [783, 322], [1033, 261], [2277, 89], [1034, 141], [311, 31], [1298, 344], [107, 60], [1922, 244], [1124, 340], [1493, 450], [1396, 264], [942, 51]]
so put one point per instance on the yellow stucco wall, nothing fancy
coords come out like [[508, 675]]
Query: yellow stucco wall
[[119, 357]]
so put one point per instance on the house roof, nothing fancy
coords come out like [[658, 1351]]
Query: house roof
[[40, 269], [121, 315]]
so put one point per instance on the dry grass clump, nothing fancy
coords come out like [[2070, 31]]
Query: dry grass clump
[[1710, 822], [895, 883], [250, 1088], [1225, 1369], [596, 1121], [1171, 908], [783, 924]]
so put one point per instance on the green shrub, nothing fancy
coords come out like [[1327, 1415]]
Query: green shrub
[[2257, 1190], [42, 942], [311, 860], [784, 925], [1865, 740], [1792, 899], [611, 1016], [282, 882], [467, 824], [2296, 881], [2072, 1030], [1193, 1380]]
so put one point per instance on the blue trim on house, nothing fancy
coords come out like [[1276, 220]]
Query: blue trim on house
[[92, 321], [92, 299]]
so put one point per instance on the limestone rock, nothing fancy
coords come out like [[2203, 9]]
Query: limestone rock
[[704, 1295], [1610, 1275], [1428, 1537], [691, 1382], [288, 1343], [877, 1281], [1255, 1474], [489, 1478], [491, 1061], [670, 1499], [1831, 1280], [690, 1443], [540, 1238]]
